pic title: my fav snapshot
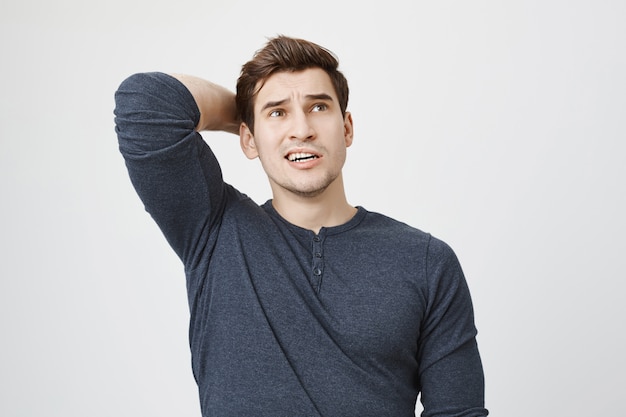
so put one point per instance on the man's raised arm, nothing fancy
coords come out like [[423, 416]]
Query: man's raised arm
[[172, 168]]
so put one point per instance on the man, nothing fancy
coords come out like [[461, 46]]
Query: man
[[306, 305]]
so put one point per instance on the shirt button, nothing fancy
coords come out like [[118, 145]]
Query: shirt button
[[317, 271], [316, 238], [318, 255]]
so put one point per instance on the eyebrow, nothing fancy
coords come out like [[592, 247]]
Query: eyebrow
[[321, 96]]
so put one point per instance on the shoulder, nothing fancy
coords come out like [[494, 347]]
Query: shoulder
[[242, 216], [396, 233], [393, 229]]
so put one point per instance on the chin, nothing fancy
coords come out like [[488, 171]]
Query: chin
[[309, 191]]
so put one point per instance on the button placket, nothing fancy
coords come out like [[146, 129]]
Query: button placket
[[317, 270]]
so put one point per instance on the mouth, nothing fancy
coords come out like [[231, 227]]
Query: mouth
[[301, 157]]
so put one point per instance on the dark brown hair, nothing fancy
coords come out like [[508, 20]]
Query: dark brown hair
[[283, 53]]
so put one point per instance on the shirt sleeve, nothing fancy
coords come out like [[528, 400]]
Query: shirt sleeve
[[171, 167], [451, 373]]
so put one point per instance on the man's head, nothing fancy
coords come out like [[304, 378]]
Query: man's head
[[285, 54]]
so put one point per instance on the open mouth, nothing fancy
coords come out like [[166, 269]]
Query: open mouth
[[301, 157]]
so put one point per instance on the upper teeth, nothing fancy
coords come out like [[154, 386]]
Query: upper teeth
[[300, 155]]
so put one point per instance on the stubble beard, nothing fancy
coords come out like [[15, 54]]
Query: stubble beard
[[310, 190]]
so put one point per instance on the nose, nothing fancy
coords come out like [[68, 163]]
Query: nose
[[301, 128]]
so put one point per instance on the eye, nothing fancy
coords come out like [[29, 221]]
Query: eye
[[319, 107], [276, 113]]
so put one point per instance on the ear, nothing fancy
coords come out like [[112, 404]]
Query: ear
[[348, 129], [246, 140]]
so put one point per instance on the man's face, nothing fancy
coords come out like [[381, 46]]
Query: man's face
[[300, 134]]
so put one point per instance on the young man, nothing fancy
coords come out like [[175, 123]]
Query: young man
[[306, 305]]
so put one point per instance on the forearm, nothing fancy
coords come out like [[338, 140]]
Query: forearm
[[216, 104], [454, 386]]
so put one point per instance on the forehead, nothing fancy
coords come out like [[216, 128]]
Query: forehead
[[286, 85]]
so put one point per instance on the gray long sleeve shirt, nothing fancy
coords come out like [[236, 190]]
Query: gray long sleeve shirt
[[356, 320]]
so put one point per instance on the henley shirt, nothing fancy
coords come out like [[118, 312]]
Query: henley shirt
[[356, 320]]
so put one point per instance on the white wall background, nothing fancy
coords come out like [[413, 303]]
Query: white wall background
[[497, 126]]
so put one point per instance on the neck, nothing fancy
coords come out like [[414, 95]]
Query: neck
[[327, 209]]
